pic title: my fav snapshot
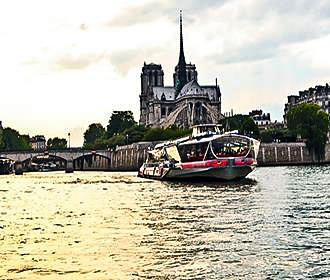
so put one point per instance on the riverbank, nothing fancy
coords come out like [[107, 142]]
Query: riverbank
[[131, 157]]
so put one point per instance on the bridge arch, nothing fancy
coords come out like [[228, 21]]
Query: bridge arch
[[16, 156], [92, 161]]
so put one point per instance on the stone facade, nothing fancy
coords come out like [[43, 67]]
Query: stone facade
[[38, 143], [260, 119], [319, 95], [184, 104]]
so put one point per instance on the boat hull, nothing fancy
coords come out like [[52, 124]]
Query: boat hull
[[213, 173], [218, 173]]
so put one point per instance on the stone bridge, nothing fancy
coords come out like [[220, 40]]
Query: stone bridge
[[72, 159], [124, 158], [66, 155]]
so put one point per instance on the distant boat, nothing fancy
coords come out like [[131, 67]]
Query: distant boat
[[205, 154], [6, 166], [45, 167]]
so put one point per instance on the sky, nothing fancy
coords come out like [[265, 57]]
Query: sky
[[67, 64]]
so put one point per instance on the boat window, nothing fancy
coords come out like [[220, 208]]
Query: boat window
[[195, 152], [231, 147]]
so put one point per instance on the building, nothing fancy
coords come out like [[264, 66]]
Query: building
[[319, 95], [184, 104], [38, 143], [261, 119]]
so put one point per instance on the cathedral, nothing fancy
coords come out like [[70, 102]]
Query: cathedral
[[184, 104]]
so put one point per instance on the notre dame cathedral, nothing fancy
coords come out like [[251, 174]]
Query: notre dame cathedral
[[184, 104]]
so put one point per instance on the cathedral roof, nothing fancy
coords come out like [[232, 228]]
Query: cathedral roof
[[192, 89], [164, 93]]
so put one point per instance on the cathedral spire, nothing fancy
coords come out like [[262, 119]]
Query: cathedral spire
[[182, 75], [181, 57]]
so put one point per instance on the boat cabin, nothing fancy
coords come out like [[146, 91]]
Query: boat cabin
[[203, 129], [216, 147]]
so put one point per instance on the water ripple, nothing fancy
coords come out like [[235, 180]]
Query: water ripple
[[273, 225]]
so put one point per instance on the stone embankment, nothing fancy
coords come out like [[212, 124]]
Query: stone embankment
[[288, 154], [131, 157]]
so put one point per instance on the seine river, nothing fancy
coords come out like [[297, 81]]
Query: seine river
[[93, 225]]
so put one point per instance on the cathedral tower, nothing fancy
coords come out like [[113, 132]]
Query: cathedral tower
[[152, 76]]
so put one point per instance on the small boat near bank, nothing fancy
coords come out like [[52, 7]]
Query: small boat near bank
[[205, 154], [6, 166]]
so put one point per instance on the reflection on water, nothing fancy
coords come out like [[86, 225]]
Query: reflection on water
[[273, 225]]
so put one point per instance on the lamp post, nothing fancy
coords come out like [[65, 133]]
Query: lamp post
[[69, 134]]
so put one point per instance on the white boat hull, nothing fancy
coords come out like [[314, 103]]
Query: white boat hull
[[216, 173], [221, 173]]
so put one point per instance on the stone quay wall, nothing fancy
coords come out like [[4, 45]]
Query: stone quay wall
[[131, 157], [288, 154]]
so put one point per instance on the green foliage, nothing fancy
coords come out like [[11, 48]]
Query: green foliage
[[94, 132], [312, 124], [154, 134], [243, 123], [25, 142], [277, 135], [249, 128], [12, 140], [119, 121], [117, 140], [158, 134], [2, 143], [56, 143], [103, 143], [134, 134]]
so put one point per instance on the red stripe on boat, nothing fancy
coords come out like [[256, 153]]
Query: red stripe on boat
[[210, 163], [243, 161]]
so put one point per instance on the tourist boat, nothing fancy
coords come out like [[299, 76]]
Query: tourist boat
[[207, 153]]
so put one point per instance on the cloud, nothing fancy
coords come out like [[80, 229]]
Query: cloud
[[124, 60], [260, 30], [76, 62], [159, 9]]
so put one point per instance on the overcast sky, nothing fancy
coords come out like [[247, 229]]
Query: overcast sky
[[66, 64]]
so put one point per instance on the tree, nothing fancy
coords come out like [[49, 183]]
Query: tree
[[12, 140], [277, 135], [134, 134], [119, 121], [243, 123], [2, 143], [24, 140], [155, 134], [170, 133], [312, 124], [95, 131], [56, 143], [249, 128]]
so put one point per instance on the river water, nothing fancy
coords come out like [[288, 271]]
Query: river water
[[93, 225]]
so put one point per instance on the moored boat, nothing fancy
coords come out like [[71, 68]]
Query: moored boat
[[205, 154], [6, 166]]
